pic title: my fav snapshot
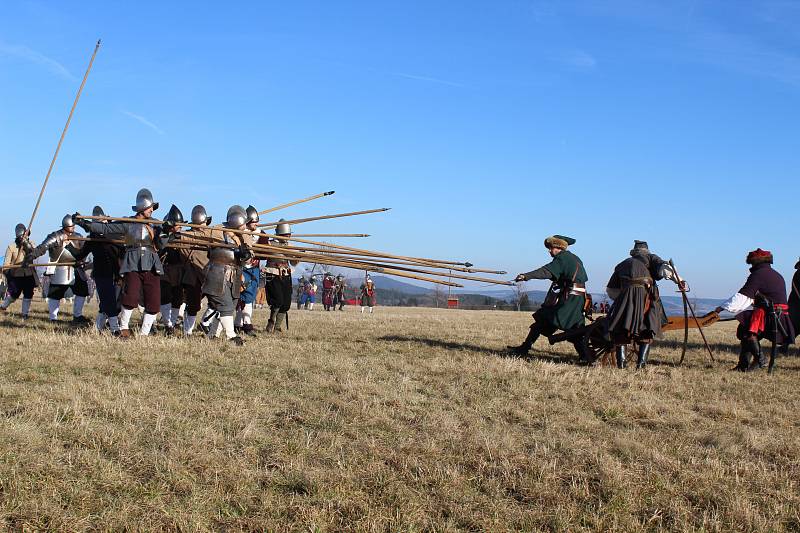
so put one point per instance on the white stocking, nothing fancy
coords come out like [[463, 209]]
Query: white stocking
[[165, 314], [113, 323], [100, 321], [188, 324], [52, 306], [7, 302], [247, 313], [175, 313], [147, 323], [26, 306], [77, 306], [125, 318], [227, 325]]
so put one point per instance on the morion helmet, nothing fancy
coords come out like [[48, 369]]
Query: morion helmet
[[67, 222], [236, 216], [144, 199], [97, 211], [283, 228], [252, 214], [199, 215], [19, 230], [174, 215]]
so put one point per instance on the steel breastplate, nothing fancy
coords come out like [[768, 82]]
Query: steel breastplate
[[138, 235], [222, 256]]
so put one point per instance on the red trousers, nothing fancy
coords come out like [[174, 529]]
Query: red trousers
[[142, 286]]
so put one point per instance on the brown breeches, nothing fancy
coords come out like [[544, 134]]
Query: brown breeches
[[142, 284]]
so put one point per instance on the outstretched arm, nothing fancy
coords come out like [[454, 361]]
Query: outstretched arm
[[539, 273]]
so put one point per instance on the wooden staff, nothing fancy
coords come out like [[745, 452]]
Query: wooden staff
[[686, 302], [302, 201], [61, 139], [324, 217], [330, 235], [10, 267]]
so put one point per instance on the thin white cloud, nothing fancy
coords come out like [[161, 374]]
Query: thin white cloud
[[28, 54], [143, 120], [428, 79]]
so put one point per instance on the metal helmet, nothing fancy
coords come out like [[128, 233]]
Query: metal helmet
[[340, 277], [174, 215], [144, 199], [19, 230], [97, 211], [67, 222], [236, 216], [283, 228], [199, 215], [252, 214]]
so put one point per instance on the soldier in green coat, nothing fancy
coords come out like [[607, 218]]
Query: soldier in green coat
[[563, 307]]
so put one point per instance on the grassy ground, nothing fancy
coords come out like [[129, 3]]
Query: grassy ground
[[405, 420]]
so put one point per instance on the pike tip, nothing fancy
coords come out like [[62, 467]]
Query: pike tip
[[329, 193]]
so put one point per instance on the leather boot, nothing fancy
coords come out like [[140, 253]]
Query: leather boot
[[644, 351], [525, 347], [744, 357], [583, 355], [621, 356], [271, 322], [280, 320], [759, 360]]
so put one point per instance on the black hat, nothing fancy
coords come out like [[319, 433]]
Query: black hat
[[640, 247]]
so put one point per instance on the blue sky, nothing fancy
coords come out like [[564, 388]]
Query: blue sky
[[486, 126]]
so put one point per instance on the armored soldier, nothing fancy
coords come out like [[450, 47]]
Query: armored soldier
[[278, 272], [368, 298], [327, 291], [765, 291], [194, 265], [141, 268], [21, 280], [105, 273], [638, 314], [563, 307], [339, 292], [251, 275], [63, 277], [172, 281], [223, 280]]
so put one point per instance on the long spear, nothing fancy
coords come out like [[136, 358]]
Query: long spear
[[61, 139], [324, 217], [301, 201], [330, 235]]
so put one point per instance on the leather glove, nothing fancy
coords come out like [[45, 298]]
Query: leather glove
[[80, 222], [244, 253], [520, 277]]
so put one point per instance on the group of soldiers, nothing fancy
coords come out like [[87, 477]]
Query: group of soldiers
[[637, 315], [334, 293], [158, 268]]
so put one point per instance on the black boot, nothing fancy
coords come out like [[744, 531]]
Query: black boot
[[744, 357], [644, 351], [759, 360], [621, 356], [525, 347], [583, 354]]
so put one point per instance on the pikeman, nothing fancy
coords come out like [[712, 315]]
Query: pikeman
[[171, 282], [223, 281], [21, 280], [638, 313], [339, 292], [765, 291], [251, 275], [278, 272], [105, 273], [194, 265], [563, 307], [368, 298], [327, 291], [67, 274], [141, 268], [301, 292]]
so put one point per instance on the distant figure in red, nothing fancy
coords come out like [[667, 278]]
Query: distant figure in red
[[327, 291], [367, 295]]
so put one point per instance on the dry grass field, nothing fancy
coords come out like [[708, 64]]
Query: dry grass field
[[407, 420]]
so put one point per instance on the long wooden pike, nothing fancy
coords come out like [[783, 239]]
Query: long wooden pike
[[61, 139], [301, 201], [330, 235], [325, 217]]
